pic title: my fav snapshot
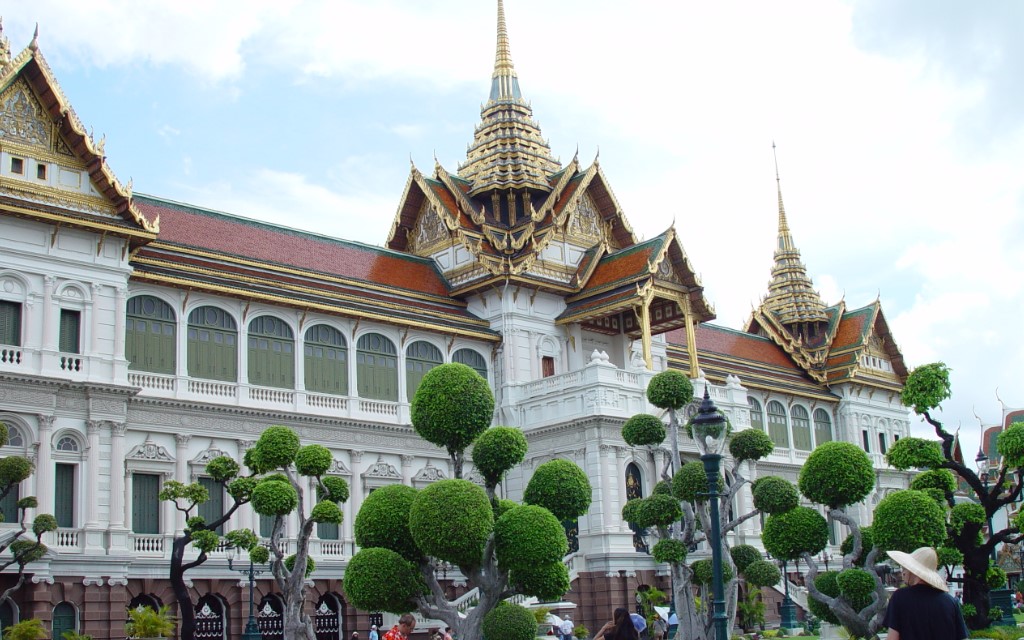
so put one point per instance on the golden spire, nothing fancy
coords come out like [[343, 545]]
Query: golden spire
[[791, 295], [508, 150]]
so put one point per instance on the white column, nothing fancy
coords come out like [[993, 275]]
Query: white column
[[120, 310], [245, 517], [117, 476], [94, 328], [44, 465], [407, 469], [535, 370], [49, 315], [355, 495], [181, 471], [606, 502], [620, 486], [92, 474]]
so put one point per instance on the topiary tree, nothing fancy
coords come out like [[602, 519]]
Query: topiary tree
[[204, 536], [678, 510], [501, 547], [284, 466], [838, 475], [14, 470], [967, 543]]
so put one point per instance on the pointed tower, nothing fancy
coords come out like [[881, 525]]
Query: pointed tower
[[508, 151]]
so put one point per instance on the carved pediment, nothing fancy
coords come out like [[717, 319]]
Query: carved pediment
[[150, 451], [429, 473], [209, 454], [22, 118], [338, 468], [585, 224], [382, 470], [429, 230]]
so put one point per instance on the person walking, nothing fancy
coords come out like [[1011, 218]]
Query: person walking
[[565, 628], [923, 610], [374, 635], [406, 625], [660, 627], [619, 628]]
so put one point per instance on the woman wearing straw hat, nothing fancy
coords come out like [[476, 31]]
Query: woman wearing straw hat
[[923, 610]]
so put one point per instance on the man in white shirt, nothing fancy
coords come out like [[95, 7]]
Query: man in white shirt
[[566, 628]]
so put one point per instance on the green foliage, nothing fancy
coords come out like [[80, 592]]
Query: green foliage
[[147, 622], [750, 444], [773, 494], [28, 502], [253, 460], [497, 450], [949, 557], [969, 610], [527, 536], [743, 555], [561, 487], [826, 583], [192, 494], [277, 447], [995, 578], [259, 554], [456, 535], [313, 460], [30, 629], [926, 387], [14, 469], [4, 434], [670, 390], [205, 540], [503, 506], [941, 479], [27, 551], [856, 586], [867, 543], [655, 510], [273, 498], [383, 521], [703, 571], [691, 482], [837, 474], [669, 550], [966, 513], [44, 523], [509, 622], [452, 406], [547, 582], [761, 573], [795, 532], [289, 564], [240, 489], [326, 511], [750, 610], [663, 487], [74, 635], [643, 429], [336, 489], [378, 579], [580, 632], [915, 453], [1010, 445], [996, 633], [907, 520], [195, 522], [222, 468], [242, 538]]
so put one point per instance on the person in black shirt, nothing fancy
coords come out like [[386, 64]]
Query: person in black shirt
[[923, 610]]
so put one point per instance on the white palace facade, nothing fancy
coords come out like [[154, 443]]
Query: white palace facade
[[140, 337]]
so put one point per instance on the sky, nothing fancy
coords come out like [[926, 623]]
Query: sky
[[899, 133]]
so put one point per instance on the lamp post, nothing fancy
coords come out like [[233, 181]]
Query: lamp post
[[788, 609], [996, 597], [709, 431], [252, 629]]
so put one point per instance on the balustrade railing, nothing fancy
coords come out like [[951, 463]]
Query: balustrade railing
[[149, 545], [10, 355]]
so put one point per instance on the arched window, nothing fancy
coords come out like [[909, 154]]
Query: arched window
[[271, 353], [801, 429], [150, 343], [377, 368], [471, 359], [326, 360], [327, 622], [211, 618], [270, 616], [67, 443], [65, 618], [756, 416], [212, 345], [8, 614], [778, 430], [822, 426], [420, 358], [635, 489]]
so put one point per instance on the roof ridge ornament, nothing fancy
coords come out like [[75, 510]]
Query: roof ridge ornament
[[34, 45], [5, 46]]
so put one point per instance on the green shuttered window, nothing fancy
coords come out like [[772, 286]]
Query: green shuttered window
[[150, 343], [326, 360], [756, 415], [212, 345], [778, 430], [377, 368], [10, 323], [822, 426], [65, 618], [471, 359], [212, 509], [271, 353], [420, 358], [70, 325], [9, 504], [145, 503], [801, 429], [64, 495]]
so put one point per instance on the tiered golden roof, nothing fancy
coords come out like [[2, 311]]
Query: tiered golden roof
[[508, 150]]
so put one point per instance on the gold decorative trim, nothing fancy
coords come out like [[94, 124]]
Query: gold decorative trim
[[79, 222]]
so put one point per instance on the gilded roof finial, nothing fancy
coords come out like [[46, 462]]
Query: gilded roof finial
[[34, 45], [5, 46], [504, 84]]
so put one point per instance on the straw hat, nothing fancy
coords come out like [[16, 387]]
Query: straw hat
[[922, 563]]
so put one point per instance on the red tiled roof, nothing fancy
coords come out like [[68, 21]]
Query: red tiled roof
[[624, 265], [715, 339], [216, 232], [852, 329]]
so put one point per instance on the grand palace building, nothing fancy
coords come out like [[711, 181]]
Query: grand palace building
[[141, 337]]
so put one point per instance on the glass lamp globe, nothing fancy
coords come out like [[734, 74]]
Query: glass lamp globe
[[709, 427]]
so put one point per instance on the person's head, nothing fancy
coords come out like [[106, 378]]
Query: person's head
[[919, 567], [407, 623], [373, 627], [624, 624]]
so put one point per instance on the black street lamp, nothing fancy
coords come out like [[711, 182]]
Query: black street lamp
[[788, 609], [252, 629], [996, 597], [709, 431]]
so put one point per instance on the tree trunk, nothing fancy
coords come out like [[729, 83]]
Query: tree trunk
[[976, 589], [691, 625], [186, 610]]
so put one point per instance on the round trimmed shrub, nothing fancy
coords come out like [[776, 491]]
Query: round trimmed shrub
[[750, 444], [856, 585], [273, 498], [383, 521], [503, 506], [661, 510], [743, 555], [457, 534], [337, 489], [27, 550], [289, 563], [703, 571], [915, 453], [241, 488], [222, 468], [509, 621], [1010, 445], [497, 450], [546, 582], [670, 390], [44, 523], [242, 539], [528, 535], [906, 520], [761, 573], [252, 459], [867, 543], [941, 479], [28, 502], [452, 406], [277, 447], [795, 532], [259, 554], [14, 469], [773, 494], [826, 584], [926, 387], [966, 513], [378, 579], [643, 429], [669, 550], [326, 511], [313, 460], [691, 482], [663, 487], [837, 474], [561, 487], [995, 578], [949, 557], [205, 540]]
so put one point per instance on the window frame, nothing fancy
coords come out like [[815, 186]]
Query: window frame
[[784, 425], [373, 381], [144, 349], [202, 362], [326, 373]]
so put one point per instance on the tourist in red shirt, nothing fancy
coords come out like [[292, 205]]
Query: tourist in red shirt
[[401, 631]]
